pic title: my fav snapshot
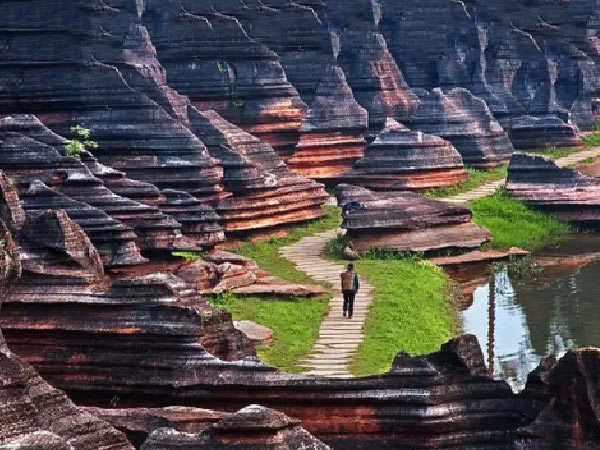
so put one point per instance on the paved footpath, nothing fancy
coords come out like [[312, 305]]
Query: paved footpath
[[339, 337], [490, 188]]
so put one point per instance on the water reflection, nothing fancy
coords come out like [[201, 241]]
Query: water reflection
[[519, 321]]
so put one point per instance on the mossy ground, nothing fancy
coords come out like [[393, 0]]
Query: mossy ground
[[476, 179], [513, 224]]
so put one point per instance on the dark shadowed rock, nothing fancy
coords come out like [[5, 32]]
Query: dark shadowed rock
[[467, 122], [400, 159], [530, 133], [562, 192], [406, 221]]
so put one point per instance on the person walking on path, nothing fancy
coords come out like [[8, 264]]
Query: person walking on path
[[350, 287]]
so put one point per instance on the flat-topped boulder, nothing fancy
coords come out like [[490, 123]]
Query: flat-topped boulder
[[467, 122], [331, 133], [535, 133], [266, 194], [565, 193], [401, 159], [264, 428], [406, 221]]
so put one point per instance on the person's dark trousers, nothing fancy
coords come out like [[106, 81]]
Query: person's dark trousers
[[349, 303]]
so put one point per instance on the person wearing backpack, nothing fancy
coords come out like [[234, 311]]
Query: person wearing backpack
[[350, 287]]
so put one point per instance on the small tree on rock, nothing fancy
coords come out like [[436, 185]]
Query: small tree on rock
[[81, 141]]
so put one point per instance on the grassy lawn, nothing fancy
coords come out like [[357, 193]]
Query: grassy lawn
[[295, 323], [266, 253], [513, 224], [477, 178], [410, 312], [593, 140]]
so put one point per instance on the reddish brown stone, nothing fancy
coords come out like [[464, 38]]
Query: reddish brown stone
[[406, 221], [400, 159]]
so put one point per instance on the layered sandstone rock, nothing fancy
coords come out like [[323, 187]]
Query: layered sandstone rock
[[97, 68], [35, 416], [531, 133], [562, 192], [571, 418], [331, 137], [406, 221], [254, 426], [467, 122], [400, 159], [266, 193], [221, 271], [211, 59]]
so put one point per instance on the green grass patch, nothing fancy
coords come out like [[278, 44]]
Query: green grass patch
[[552, 152], [477, 178], [411, 312], [295, 324], [266, 253], [592, 140], [513, 224], [588, 161]]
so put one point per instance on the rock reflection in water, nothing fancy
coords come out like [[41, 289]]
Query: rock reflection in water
[[519, 321]]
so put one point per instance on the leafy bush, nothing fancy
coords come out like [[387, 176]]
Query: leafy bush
[[81, 141]]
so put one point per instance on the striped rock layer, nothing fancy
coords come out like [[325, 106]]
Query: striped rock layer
[[562, 192], [401, 159], [406, 221]]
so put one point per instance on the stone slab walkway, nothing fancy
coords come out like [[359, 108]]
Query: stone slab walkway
[[339, 337], [491, 187]]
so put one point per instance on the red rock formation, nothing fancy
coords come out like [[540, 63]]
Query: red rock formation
[[252, 427], [330, 139], [211, 59], [406, 221], [562, 192], [266, 194], [400, 159], [467, 122], [531, 133]]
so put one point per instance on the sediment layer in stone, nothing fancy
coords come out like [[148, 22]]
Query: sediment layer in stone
[[266, 193], [331, 134], [538, 133], [400, 159], [406, 221], [467, 122], [562, 192]]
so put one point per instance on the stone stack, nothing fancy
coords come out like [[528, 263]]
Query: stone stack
[[406, 222], [264, 428], [467, 122], [266, 194], [538, 133], [400, 159], [331, 134], [211, 59], [97, 68], [564, 193]]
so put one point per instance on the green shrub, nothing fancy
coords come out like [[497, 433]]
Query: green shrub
[[81, 141]]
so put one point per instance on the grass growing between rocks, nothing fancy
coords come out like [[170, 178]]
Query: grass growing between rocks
[[411, 312], [513, 224], [592, 140], [295, 324], [266, 254], [552, 152], [477, 178]]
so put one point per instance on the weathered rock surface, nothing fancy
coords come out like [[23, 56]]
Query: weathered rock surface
[[400, 159], [211, 59], [221, 271], [252, 427], [562, 192], [467, 122], [35, 416], [531, 133], [266, 193], [331, 134], [571, 418], [257, 333], [406, 221]]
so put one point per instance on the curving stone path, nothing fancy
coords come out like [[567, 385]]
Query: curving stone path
[[491, 187], [339, 337]]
